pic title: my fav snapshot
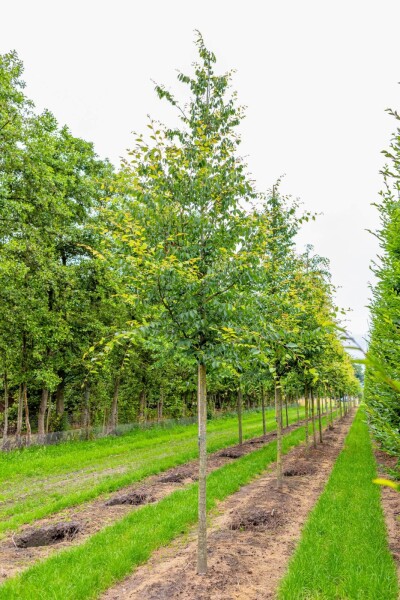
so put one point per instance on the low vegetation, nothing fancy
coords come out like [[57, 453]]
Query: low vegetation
[[39, 481], [343, 552]]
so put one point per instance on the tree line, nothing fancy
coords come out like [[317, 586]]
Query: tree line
[[382, 378], [125, 293]]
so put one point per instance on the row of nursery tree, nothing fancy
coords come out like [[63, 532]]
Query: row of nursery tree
[[125, 294], [382, 379]]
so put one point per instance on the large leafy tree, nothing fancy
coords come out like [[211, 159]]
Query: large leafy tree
[[190, 229]]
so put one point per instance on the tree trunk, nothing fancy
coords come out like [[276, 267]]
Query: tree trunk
[[298, 409], [60, 395], [42, 412], [19, 416], [239, 414], [313, 419], [340, 407], [27, 421], [160, 405], [306, 416], [86, 410], [142, 406], [48, 415], [331, 412], [319, 418], [278, 412], [263, 411], [202, 418], [286, 411], [112, 423], [5, 427]]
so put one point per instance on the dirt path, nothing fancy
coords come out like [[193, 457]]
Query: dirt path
[[250, 541], [391, 506], [95, 515]]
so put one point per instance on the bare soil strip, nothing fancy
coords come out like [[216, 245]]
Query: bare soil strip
[[95, 515], [250, 540], [391, 506]]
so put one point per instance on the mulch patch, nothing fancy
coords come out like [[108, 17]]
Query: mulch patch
[[233, 452], [256, 519], [299, 470], [133, 498], [45, 536]]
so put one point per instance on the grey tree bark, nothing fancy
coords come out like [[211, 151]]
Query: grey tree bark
[[239, 414], [202, 419], [278, 413], [5, 427]]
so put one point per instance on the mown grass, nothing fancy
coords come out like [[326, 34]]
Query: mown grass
[[85, 571], [39, 481], [343, 552]]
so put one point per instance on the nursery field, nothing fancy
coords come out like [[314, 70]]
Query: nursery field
[[148, 545], [38, 481]]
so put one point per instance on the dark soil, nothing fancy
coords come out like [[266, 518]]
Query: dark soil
[[45, 536], [174, 478], [233, 452], [133, 498], [257, 518], [299, 470]]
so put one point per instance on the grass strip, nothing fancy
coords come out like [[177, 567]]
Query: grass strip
[[85, 571], [343, 552], [42, 502]]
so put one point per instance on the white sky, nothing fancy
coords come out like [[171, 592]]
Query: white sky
[[315, 76]]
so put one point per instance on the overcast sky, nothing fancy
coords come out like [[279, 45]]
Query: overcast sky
[[316, 77]]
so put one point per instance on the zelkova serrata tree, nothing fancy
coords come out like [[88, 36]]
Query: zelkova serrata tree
[[189, 227]]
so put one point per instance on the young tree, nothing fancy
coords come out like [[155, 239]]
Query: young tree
[[188, 226]]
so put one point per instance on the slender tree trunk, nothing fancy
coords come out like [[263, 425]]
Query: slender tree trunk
[[330, 411], [42, 412], [286, 410], [340, 407], [60, 395], [298, 409], [263, 411], [27, 420], [86, 410], [5, 427], [278, 412], [239, 414], [160, 405], [202, 417], [313, 419], [19, 415], [142, 406], [48, 414], [112, 423], [306, 416], [319, 418]]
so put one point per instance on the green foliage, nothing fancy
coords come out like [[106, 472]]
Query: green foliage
[[114, 285], [382, 378]]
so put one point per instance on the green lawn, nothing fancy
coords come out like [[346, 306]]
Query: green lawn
[[39, 481], [343, 553], [87, 570]]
